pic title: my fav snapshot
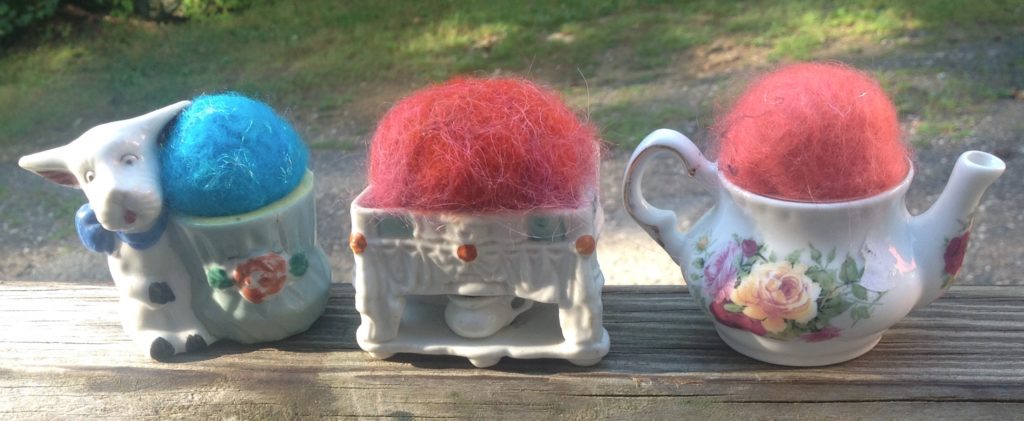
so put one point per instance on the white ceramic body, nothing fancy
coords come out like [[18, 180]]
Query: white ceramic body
[[284, 233], [167, 305], [407, 263], [809, 284]]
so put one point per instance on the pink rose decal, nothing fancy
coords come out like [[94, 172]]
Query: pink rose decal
[[777, 292], [720, 273]]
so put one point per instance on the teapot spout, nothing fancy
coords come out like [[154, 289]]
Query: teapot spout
[[942, 232]]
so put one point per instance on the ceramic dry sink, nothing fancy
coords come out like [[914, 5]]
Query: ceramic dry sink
[[481, 287], [477, 233], [809, 284], [186, 281]]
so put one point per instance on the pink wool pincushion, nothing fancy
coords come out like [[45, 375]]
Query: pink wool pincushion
[[812, 132], [482, 145]]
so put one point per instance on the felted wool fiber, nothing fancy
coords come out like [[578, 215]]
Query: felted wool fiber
[[227, 154], [482, 145], [813, 132]]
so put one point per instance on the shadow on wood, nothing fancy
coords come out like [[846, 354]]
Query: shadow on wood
[[63, 354]]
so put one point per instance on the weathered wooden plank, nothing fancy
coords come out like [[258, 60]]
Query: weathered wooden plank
[[62, 354]]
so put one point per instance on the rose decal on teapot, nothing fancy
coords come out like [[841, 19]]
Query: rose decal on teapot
[[748, 287]]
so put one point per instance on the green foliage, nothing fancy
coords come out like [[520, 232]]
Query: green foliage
[[203, 8], [160, 9], [18, 14], [339, 64]]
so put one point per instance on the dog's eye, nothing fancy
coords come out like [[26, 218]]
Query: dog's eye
[[129, 159], [89, 176]]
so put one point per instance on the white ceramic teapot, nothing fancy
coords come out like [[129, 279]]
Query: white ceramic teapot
[[809, 284]]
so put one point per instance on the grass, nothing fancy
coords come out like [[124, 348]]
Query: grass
[[334, 67]]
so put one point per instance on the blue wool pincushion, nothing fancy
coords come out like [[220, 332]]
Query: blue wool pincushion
[[227, 154]]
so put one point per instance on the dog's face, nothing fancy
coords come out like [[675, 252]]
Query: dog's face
[[117, 166]]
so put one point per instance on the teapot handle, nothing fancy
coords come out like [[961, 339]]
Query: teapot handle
[[660, 224]]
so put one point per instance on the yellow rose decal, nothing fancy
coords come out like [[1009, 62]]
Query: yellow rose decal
[[776, 292]]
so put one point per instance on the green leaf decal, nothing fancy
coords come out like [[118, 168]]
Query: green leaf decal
[[849, 273], [831, 256], [733, 308], [860, 313], [860, 292], [822, 278], [815, 255], [218, 278], [298, 265], [794, 257]]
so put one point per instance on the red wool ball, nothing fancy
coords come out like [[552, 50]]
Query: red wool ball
[[812, 132], [482, 145]]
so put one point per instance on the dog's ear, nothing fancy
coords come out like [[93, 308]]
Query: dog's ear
[[153, 122], [50, 165]]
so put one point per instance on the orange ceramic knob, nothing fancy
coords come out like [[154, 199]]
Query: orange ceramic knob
[[466, 252], [585, 245], [357, 242]]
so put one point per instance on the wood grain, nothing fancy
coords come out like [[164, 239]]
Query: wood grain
[[63, 355]]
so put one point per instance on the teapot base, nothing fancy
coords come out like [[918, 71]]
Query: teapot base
[[796, 353]]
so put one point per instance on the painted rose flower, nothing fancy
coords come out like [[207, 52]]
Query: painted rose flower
[[736, 320], [261, 277], [955, 250], [776, 292], [720, 273], [749, 248]]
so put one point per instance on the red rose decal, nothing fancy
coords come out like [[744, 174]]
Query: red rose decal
[[749, 248], [955, 250], [736, 320], [261, 277]]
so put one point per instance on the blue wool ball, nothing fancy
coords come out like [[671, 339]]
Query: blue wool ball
[[227, 154]]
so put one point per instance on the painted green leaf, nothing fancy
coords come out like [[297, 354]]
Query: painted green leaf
[[733, 308], [832, 308], [394, 227], [860, 313], [546, 228], [218, 278], [860, 292], [298, 265], [849, 272], [815, 255], [831, 256], [699, 263], [794, 257], [772, 257], [822, 278]]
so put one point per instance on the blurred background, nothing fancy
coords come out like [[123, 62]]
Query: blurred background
[[955, 70]]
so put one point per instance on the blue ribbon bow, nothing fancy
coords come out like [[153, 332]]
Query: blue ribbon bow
[[96, 238]]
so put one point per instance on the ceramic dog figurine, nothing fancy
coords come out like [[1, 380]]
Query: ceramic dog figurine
[[186, 281], [117, 167]]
